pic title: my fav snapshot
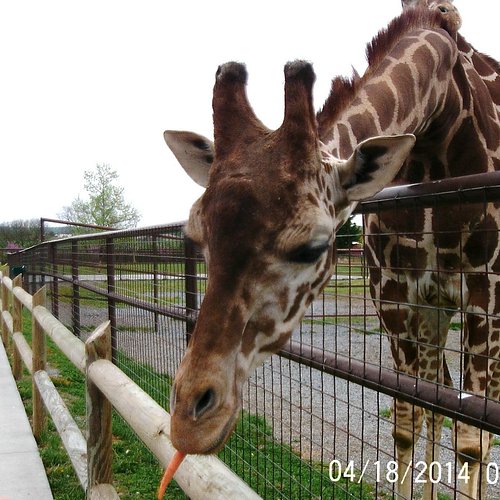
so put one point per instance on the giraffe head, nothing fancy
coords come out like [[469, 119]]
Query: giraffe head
[[446, 7], [266, 224]]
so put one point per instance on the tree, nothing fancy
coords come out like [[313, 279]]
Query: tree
[[105, 205], [349, 234], [19, 234]]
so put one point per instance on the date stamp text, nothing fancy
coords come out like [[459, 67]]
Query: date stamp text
[[419, 472]]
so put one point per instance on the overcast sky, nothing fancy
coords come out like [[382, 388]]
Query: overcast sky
[[98, 81]]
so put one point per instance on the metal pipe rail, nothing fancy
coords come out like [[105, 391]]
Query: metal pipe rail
[[475, 410], [478, 188]]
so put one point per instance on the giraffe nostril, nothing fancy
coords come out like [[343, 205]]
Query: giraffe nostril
[[204, 403], [442, 8]]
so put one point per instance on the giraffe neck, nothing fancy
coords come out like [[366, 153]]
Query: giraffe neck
[[419, 81]]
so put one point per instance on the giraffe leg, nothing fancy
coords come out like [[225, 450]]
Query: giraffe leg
[[493, 393], [434, 423], [484, 483], [407, 418], [408, 421], [433, 330], [473, 448], [481, 373]]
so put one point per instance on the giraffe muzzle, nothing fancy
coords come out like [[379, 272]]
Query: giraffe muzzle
[[205, 404]]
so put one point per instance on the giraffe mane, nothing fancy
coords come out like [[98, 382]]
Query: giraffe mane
[[344, 89], [465, 46], [493, 62]]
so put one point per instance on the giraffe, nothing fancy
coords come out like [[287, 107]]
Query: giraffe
[[452, 280], [274, 200]]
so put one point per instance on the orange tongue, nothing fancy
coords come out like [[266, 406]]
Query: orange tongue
[[174, 464]]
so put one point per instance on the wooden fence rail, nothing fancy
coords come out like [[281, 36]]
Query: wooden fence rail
[[107, 386]]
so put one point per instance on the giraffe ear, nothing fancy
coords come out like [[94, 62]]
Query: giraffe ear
[[194, 152], [374, 164]]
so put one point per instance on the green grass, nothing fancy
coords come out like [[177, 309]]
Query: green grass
[[140, 288], [288, 476], [356, 287], [162, 268], [167, 294], [350, 270], [385, 412]]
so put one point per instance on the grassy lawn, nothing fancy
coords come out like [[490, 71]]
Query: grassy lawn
[[167, 292], [163, 268], [260, 456], [346, 288]]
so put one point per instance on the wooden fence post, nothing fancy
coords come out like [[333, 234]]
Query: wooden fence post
[[99, 414], [17, 323], [4, 307], [39, 360]]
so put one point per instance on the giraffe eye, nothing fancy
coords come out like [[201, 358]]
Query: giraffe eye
[[308, 253]]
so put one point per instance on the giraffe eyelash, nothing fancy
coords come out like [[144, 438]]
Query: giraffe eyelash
[[307, 253]]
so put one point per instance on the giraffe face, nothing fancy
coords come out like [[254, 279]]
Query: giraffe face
[[257, 291], [266, 224]]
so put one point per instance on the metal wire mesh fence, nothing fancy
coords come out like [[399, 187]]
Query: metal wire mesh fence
[[317, 419]]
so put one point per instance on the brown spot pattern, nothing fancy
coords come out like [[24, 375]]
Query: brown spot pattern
[[482, 242], [470, 159], [403, 80], [408, 258], [384, 101]]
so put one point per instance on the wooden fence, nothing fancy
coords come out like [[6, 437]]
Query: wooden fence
[[106, 387]]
